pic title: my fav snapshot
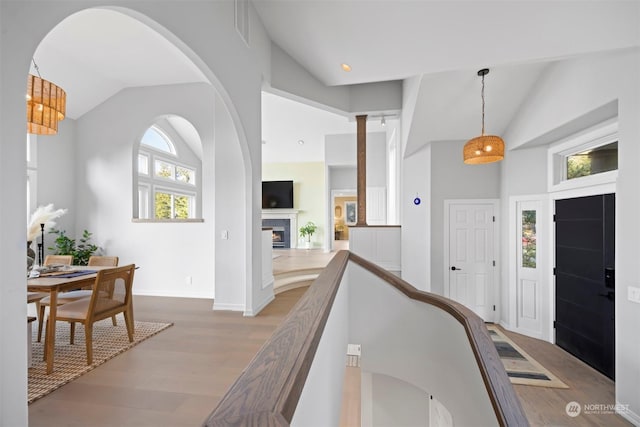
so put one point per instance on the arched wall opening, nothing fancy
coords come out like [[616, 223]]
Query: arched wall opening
[[24, 31]]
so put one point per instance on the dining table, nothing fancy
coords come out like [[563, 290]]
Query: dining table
[[73, 277]]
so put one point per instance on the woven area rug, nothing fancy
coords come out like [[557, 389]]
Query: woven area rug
[[71, 360], [522, 368]]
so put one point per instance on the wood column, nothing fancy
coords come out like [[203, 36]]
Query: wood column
[[362, 170]]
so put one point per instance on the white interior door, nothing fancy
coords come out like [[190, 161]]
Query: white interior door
[[471, 261]]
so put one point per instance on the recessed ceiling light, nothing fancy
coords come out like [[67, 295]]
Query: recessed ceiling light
[[300, 142], [345, 67], [264, 142]]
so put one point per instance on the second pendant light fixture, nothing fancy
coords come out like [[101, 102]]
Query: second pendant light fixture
[[483, 148]]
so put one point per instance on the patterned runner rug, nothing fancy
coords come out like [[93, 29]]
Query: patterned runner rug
[[522, 368], [71, 360]]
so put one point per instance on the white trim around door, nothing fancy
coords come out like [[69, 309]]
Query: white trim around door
[[474, 245], [528, 293], [559, 195]]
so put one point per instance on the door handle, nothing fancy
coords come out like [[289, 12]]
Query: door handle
[[454, 268]]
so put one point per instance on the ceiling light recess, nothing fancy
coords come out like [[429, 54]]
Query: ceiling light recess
[[345, 67], [483, 148]]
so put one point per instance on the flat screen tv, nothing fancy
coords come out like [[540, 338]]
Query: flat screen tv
[[277, 194]]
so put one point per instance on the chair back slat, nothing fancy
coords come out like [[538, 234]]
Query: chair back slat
[[102, 260], [105, 261], [104, 301], [58, 259]]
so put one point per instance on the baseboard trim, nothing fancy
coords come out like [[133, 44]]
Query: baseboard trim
[[227, 306], [268, 282], [627, 414], [173, 295], [250, 313], [505, 325]]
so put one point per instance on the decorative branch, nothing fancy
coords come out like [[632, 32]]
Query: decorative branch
[[43, 215]]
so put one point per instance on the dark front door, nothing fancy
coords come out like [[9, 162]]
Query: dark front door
[[585, 279]]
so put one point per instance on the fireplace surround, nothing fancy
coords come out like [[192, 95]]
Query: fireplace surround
[[281, 217]]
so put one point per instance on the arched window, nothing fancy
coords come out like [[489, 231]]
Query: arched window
[[155, 138], [167, 171]]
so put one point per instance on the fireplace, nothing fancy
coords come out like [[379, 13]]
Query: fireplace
[[287, 218], [280, 232], [277, 237]]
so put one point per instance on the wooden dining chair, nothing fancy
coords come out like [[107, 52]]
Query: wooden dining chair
[[101, 305], [39, 297], [67, 297], [58, 259]]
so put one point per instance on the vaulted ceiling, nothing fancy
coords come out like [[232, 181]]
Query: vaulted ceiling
[[445, 42]]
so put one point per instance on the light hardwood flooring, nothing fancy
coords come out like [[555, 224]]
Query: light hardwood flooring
[[299, 259], [174, 378], [177, 377], [547, 406]]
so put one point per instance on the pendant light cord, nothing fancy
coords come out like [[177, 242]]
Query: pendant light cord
[[482, 95]]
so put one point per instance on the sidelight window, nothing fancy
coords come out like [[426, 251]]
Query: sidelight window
[[529, 244]]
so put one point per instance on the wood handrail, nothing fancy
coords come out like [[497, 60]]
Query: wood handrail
[[267, 392], [504, 400]]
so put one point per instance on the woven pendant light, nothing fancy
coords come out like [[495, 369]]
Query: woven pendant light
[[483, 148], [46, 105]]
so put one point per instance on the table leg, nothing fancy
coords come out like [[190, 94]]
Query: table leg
[[50, 338]]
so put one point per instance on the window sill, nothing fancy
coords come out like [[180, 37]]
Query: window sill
[[175, 220]]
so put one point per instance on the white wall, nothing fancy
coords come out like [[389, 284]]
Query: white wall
[[567, 91], [230, 180], [416, 232], [106, 147], [398, 403], [56, 177], [452, 179], [343, 178]]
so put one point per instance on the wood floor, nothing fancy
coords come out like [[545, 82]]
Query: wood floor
[[547, 406], [177, 377]]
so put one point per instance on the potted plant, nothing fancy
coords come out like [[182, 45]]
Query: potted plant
[[307, 231], [64, 245]]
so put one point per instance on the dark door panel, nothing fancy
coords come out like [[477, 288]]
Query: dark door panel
[[579, 292], [581, 234], [585, 279], [580, 208], [582, 263]]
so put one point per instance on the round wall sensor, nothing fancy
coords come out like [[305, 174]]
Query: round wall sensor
[[417, 201]]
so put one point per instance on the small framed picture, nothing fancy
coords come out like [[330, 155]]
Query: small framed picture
[[350, 213]]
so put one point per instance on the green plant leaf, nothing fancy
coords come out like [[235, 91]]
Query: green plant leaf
[[82, 251]]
